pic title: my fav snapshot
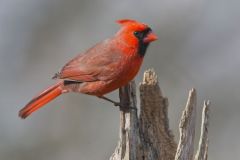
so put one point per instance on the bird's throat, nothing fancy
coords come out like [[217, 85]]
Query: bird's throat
[[142, 48]]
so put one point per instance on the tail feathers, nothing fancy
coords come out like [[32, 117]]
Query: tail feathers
[[40, 100]]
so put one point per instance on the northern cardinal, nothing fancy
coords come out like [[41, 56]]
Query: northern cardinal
[[107, 66]]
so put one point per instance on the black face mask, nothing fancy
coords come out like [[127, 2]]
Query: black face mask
[[140, 35]]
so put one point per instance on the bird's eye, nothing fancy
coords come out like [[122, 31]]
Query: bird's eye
[[136, 33]]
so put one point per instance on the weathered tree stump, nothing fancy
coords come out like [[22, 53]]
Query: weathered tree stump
[[148, 136]]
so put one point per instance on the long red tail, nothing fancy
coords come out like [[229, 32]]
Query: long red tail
[[40, 100]]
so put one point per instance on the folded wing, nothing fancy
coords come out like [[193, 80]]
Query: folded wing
[[95, 64]]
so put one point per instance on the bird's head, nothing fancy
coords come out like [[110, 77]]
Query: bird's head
[[136, 34]]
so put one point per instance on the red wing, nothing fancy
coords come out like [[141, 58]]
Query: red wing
[[95, 64]]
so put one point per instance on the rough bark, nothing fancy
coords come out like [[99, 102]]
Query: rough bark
[[148, 137], [157, 139], [129, 134]]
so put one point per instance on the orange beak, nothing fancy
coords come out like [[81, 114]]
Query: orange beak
[[150, 37]]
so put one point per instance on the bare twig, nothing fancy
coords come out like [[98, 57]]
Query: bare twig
[[202, 152], [187, 129]]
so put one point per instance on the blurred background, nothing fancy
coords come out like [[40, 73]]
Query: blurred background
[[198, 46]]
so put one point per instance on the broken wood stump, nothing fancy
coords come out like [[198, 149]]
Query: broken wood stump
[[148, 136]]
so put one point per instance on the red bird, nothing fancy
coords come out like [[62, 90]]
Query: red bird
[[103, 68]]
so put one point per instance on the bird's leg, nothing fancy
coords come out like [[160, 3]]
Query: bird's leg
[[122, 107], [109, 100]]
